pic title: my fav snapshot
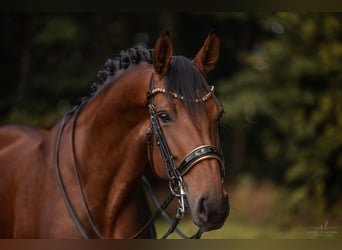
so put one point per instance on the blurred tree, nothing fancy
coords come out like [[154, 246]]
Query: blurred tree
[[50, 60], [287, 101]]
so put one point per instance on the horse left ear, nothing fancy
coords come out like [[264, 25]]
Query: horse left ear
[[208, 55], [163, 51]]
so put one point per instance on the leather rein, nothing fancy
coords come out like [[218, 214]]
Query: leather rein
[[174, 173]]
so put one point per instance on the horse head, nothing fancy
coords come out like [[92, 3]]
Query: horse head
[[185, 116]]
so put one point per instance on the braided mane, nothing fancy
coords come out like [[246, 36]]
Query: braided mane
[[122, 61]]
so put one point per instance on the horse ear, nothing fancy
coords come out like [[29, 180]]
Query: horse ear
[[163, 51], [208, 55]]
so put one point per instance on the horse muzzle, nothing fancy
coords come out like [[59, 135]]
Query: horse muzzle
[[211, 213]]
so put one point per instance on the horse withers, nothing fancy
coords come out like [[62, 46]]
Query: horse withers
[[82, 178]]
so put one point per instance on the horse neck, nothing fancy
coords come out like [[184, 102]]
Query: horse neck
[[110, 142]]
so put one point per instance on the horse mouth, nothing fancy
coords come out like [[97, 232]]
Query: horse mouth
[[209, 220]]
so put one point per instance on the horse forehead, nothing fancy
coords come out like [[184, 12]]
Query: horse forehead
[[201, 117]]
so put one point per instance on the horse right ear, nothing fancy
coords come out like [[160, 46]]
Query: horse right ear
[[208, 55], [163, 51]]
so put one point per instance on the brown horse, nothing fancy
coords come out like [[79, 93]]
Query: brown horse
[[83, 177]]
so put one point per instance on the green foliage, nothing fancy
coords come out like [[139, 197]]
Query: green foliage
[[289, 92], [57, 30]]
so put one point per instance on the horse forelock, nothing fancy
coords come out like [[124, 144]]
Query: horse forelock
[[184, 78]]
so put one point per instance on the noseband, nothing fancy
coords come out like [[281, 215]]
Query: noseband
[[174, 174]]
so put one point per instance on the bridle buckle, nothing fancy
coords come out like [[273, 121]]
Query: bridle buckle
[[177, 188]]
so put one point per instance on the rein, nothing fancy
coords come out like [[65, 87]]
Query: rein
[[74, 113], [174, 173]]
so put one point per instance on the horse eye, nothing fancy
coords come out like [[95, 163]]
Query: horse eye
[[164, 117]]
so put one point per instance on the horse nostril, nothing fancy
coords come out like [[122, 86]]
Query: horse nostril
[[213, 211], [202, 209]]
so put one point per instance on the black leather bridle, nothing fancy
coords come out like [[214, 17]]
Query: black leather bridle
[[198, 154], [174, 173]]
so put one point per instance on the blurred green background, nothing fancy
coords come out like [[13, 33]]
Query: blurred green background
[[279, 77]]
